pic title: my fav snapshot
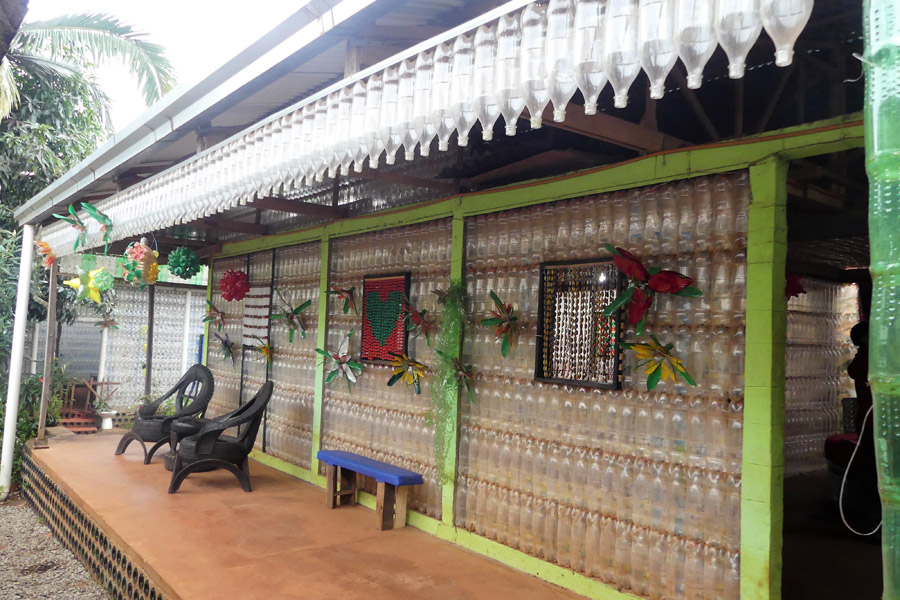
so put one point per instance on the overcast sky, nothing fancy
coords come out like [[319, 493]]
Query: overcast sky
[[198, 35]]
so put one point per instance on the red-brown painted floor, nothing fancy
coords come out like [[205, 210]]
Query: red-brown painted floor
[[213, 540]]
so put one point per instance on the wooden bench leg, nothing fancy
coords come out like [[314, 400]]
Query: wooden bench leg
[[384, 506], [400, 507], [348, 487], [330, 485]]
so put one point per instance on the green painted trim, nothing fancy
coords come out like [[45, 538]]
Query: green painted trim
[[204, 353], [810, 139], [451, 427], [762, 486], [321, 341], [286, 467]]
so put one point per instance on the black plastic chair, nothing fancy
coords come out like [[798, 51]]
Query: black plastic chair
[[211, 449], [192, 395]]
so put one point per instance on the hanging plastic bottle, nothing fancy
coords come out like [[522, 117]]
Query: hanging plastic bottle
[[621, 60], [341, 146], [509, 94], [487, 108], [330, 144], [588, 51], [784, 20], [737, 24], [422, 123], [406, 89], [696, 37], [441, 116], [371, 135], [388, 132], [357, 145], [319, 160], [532, 75], [559, 58], [657, 42], [461, 106]]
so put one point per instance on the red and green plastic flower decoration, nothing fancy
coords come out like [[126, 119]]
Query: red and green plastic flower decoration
[[107, 323], [292, 316], [464, 373], [340, 363], [408, 370], [75, 221], [506, 322], [417, 322], [214, 316], [347, 295], [643, 284], [659, 362], [234, 285], [106, 223]]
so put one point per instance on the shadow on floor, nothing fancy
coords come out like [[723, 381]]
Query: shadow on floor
[[822, 559]]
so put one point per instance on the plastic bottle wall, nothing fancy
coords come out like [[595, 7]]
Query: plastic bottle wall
[[255, 369], [639, 489], [387, 423], [818, 350], [227, 376], [289, 430]]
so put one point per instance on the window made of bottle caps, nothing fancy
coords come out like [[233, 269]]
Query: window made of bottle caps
[[387, 423], [639, 489], [254, 334], [576, 343]]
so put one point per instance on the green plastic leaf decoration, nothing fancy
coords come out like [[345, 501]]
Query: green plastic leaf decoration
[[75, 221], [506, 322], [106, 223]]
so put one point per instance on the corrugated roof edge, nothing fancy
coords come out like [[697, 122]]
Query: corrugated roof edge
[[185, 102]]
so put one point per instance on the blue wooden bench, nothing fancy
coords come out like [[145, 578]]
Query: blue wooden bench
[[340, 488]]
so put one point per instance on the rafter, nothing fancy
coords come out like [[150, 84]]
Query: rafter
[[614, 130], [398, 178], [229, 225], [298, 207]]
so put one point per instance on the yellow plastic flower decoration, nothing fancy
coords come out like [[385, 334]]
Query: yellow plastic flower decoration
[[152, 273], [407, 369], [84, 285], [661, 364]]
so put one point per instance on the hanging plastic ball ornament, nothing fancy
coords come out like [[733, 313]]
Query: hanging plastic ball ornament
[[104, 280], [184, 262], [234, 285], [140, 266]]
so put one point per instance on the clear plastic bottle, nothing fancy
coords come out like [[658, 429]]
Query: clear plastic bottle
[[423, 126], [441, 98], [357, 143], [485, 100], [371, 135], [657, 42], [696, 37], [559, 55], [403, 119], [784, 20], [621, 58], [388, 129], [588, 51], [532, 72], [509, 48], [462, 106], [738, 25]]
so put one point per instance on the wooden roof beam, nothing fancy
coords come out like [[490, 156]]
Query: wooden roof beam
[[398, 178], [229, 225], [613, 130], [298, 207]]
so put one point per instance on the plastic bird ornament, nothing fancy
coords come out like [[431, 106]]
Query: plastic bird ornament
[[506, 321], [46, 252], [85, 285], [214, 316], [417, 322], [660, 362], [106, 223], [75, 221], [227, 347], [407, 370], [347, 295], [265, 349], [340, 363], [292, 316]]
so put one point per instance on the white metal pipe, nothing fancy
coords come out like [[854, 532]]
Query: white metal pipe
[[17, 355], [104, 341], [34, 349], [186, 334]]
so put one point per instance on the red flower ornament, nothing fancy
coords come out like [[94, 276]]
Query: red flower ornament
[[639, 305], [629, 264], [234, 285], [669, 282]]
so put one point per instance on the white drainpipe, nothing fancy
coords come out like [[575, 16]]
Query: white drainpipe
[[15, 360]]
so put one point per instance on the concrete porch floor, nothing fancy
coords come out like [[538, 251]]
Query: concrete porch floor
[[213, 540]]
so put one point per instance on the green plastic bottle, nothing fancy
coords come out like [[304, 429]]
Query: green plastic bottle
[[882, 123]]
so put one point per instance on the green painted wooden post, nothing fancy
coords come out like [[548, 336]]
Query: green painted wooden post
[[451, 427], [321, 342], [762, 488]]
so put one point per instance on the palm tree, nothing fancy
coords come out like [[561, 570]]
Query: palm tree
[[68, 47]]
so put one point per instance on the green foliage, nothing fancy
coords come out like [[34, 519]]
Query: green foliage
[[444, 384]]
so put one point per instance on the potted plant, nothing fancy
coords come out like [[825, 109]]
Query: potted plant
[[100, 402]]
